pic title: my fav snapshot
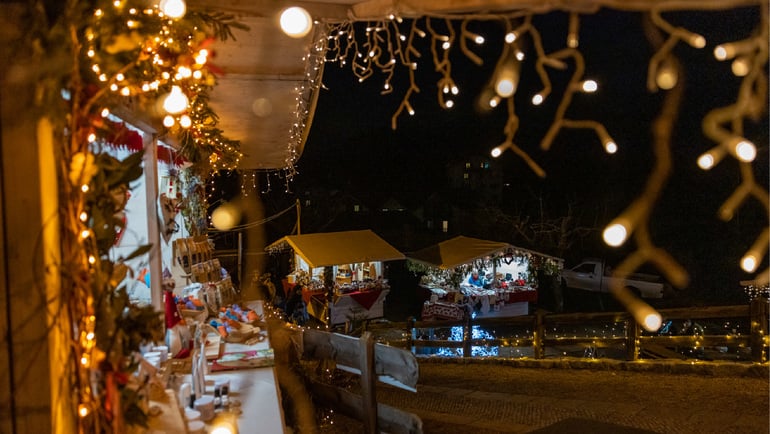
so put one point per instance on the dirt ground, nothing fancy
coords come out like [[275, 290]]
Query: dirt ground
[[490, 398]]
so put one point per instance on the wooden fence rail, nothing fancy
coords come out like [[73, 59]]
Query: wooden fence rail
[[635, 341], [372, 362]]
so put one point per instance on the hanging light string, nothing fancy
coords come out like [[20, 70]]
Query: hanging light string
[[389, 41]]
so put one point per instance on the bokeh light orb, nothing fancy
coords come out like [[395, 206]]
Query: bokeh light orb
[[226, 216], [296, 22]]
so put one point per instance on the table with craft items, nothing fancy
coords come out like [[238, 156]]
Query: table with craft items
[[253, 395]]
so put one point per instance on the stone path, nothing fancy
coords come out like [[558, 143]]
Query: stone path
[[488, 398]]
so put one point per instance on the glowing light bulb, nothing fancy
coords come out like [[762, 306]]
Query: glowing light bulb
[[696, 41], [105, 112], [666, 78], [449, 103], [83, 410], [610, 147], [91, 138], [173, 8], [652, 321], [706, 161], [496, 151], [721, 52], [537, 99], [446, 45], [510, 37], [168, 121], [615, 234], [84, 188], [589, 86], [519, 55], [83, 216], [185, 121], [479, 39], [85, 233], [505, 87], [92, 259], [176, 101], [740, 66], [296, 22], [202, 57], [743, 149], [494, 101], [749, 263]]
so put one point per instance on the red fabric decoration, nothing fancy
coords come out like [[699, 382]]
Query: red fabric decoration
[[366, 298], [123, 137], [168, 156], [173, 317]]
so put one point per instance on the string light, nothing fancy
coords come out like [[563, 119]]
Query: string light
[[176, 101], [296, 22], [711, 158], [173, 8]]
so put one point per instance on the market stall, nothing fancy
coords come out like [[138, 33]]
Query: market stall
[[340, 276], [465, 274]]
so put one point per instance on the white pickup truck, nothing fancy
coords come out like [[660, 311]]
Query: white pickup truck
[[593, 275]]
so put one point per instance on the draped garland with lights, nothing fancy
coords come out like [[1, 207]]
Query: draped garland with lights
[[372, 41], [149, 61]]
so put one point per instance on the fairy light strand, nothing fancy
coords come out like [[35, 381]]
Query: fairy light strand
[[723, 125]]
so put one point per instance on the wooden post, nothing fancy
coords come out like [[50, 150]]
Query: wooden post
[[632, 339], [538, 334], [368, 383], [467, 335], [759, 324]]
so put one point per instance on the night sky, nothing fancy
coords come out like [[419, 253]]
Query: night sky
[[353, 148]]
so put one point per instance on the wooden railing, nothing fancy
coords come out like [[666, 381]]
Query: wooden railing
[[634, 341], [372, 362]]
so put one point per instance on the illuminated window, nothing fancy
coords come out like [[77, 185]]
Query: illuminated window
[[465, 176], [467, 165], [356, 208], [445, 226]]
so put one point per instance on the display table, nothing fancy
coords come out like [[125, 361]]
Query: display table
[[253, 390], [256, 389], [442, 311]]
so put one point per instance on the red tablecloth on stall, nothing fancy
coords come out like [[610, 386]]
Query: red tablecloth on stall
[[519, 296], [366, 298]]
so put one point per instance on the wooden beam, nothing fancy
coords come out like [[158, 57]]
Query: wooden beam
[[271, 8], [379, 9]]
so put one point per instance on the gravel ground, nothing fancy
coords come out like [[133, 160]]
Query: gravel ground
[[488, 398]]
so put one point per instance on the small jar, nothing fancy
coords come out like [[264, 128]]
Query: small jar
[[205, 405]]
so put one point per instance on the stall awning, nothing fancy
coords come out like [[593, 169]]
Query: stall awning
[[458, 251], [338, 248]]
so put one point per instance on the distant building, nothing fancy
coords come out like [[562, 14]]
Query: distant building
[[476, 179]]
